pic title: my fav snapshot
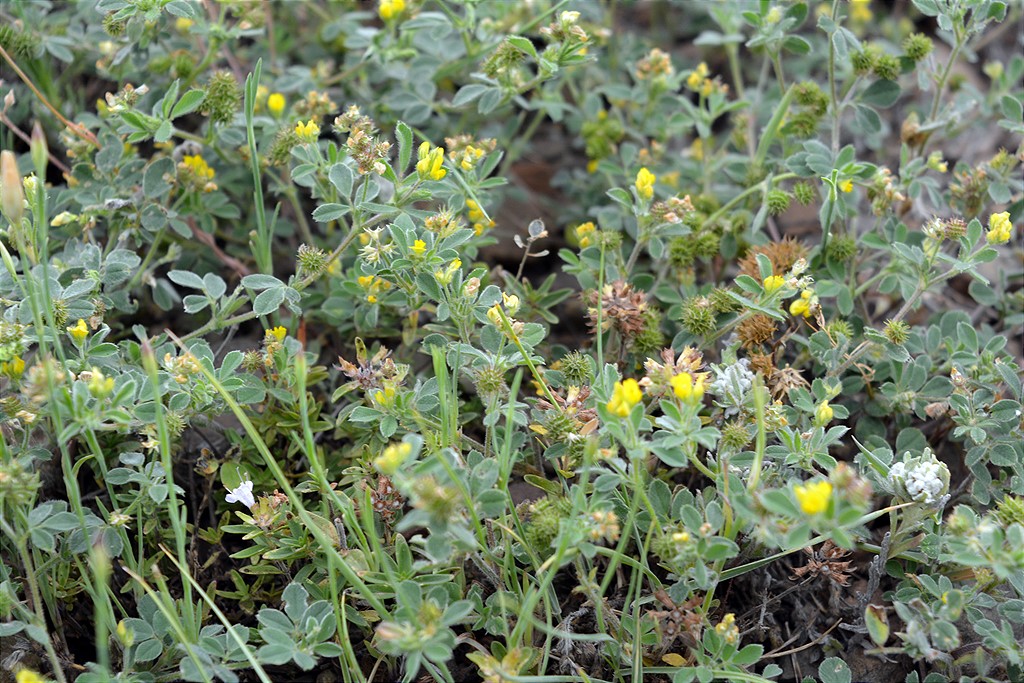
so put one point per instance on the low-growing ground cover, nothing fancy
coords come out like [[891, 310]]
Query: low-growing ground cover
[[496, 341]]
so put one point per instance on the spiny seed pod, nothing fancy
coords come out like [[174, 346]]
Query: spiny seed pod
[[281, 148], [650, 339], [311, 260], [489, 382], [721, 302], [577, 369], [896, 331], [735, 435], [18, 44], [864, 61], [544, 518], [841, 248], [778, 201], [223, 97], [917, 46], [804, 192], [707, 244], [808, 94], [113, 27], [887, 67], [803, 124], [756, 330], [839, 327], [681, 252], [1010, 510], [698, 316]]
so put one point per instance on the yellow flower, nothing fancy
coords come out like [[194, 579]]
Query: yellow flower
[[688, 388], [183, 24], [494, 315], [198, 166], [645, 183], [388, 462], [13, 368], [275, 104], [846, 186], [697, 149], [773, 283], [696, 78], [583, 233], [100, 386], [307, 132], [389, 9], [63, 218], [625, 395], [592, 166], [1000, 228], [823, 414], [418, 247], [511, 302], [813, 498], [431, 162], [79, 331], [804, 305], [859, 10], [278, 332]]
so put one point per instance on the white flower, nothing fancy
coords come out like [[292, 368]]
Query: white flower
[[242, 494], [924, 479]]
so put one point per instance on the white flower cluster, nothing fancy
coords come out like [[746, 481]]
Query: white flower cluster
[[731, 385], [923, 479]]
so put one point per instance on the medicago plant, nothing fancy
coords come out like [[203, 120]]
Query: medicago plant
[[511, 341]]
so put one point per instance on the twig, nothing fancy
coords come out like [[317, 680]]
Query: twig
[[75, 128], [805, 645]]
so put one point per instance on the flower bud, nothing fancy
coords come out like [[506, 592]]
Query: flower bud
[[12, 197], [40, 151]]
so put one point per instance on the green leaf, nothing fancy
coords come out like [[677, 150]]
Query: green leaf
[[186, 279], [834, 670], [188, 103], [268, 301], [405, 143], [881, 93], [341, 177], [523, 45], [326, 213]]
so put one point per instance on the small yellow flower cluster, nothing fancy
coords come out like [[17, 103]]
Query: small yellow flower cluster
[[688, 388], [645, 183], [13, 368], [278, 333], [431, 162], [999, 228], [728, 629], [806, 305], [584, 234], [308, 131], [78, 332], [373, 286], [511, 304], [823, 414], [418, 248], [385, 397], [480, 220], [813, 498], [468, 157], [29, 676], [276, 104], [773, 283], [625, 395], [63, 218], [444, 277], [99, 385], [197, 172], [846, 186], [389, 9], [388, 462], [695, 81], [859, 10], [937, 163]]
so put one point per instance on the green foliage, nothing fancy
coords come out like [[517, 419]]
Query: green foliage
[[284, 382]]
